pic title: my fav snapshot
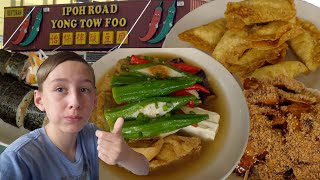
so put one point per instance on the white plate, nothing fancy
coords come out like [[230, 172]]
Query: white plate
[[215, 9], [237, 130]]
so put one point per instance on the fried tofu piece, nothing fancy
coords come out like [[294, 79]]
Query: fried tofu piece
[[175, 148], [287, 68], [307, 46], [273, 34], [231, 46], [207, 36], [250, 12], [151, 151], [254, 58]]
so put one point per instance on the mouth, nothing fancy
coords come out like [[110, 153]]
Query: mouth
[[73, 118]]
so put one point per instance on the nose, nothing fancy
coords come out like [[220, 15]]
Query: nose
[[74, 100]]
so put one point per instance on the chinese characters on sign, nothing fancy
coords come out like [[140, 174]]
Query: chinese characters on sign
[[80, 38], [120, 36], [108, 37], [54, 39], [67, 38], [94, 37]]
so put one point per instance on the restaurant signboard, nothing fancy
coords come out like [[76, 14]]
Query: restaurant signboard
[[93, 26]]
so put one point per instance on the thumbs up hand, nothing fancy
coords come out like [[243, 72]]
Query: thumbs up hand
[[111, 146], [112, 149], [118, 126]]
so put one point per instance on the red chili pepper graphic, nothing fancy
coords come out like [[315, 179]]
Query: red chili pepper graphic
[[154, 24], [23, 30]]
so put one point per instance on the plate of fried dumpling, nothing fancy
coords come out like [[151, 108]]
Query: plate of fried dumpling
[[255, 38]]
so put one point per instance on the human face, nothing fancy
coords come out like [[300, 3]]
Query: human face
[[68, 97]]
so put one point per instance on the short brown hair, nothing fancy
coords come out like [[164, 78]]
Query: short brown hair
[[53, 61]]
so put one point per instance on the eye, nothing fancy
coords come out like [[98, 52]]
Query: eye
[[85, 90], [59, 90]]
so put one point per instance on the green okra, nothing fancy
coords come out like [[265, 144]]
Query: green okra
[[148, 108], [143, 68], [136, 67], [154, 127], [128, 78], [147, 89]]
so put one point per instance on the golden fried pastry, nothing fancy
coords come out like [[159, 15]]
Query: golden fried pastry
[[309, 26], [273, 34], [207, 36], [151, 150], [175, 148], [250, 12], [254, 58], [307, 46], [231, 46], [287, 68]]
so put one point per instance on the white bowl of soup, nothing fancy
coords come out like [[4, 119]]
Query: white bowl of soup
[[217, 158]]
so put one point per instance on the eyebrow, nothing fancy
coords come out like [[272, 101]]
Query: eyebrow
[[64, 80]]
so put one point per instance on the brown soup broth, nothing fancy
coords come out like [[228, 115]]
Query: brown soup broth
[[209, 150]]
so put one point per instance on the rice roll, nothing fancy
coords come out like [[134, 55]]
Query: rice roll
[[4, 56], [17, 65], [5, 82], [34, 117], [14, 101]]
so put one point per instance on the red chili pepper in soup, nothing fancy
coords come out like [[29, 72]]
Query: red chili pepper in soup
[[137, 60], [197, 87], [186, 67]]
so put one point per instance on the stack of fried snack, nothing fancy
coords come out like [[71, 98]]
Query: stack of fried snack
[[254, 36]]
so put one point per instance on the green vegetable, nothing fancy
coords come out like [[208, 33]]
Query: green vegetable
[[155, 127], [134, 68], [147, 89], [128, 78], [143, 68], [138, 111]]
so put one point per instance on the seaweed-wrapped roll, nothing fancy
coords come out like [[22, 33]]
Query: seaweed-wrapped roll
[[34, 117]]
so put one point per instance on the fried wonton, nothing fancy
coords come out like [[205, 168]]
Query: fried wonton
[[250, 12], [288, 68], [207, 36], [309, 26], [273, 34], [254, 58], [307, 46], [231, 46]]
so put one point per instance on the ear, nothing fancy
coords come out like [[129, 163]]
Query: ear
[[37, 96]]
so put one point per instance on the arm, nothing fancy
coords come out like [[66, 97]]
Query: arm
[[112, 149]]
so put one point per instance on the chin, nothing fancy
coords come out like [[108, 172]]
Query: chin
[[74, 128]]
